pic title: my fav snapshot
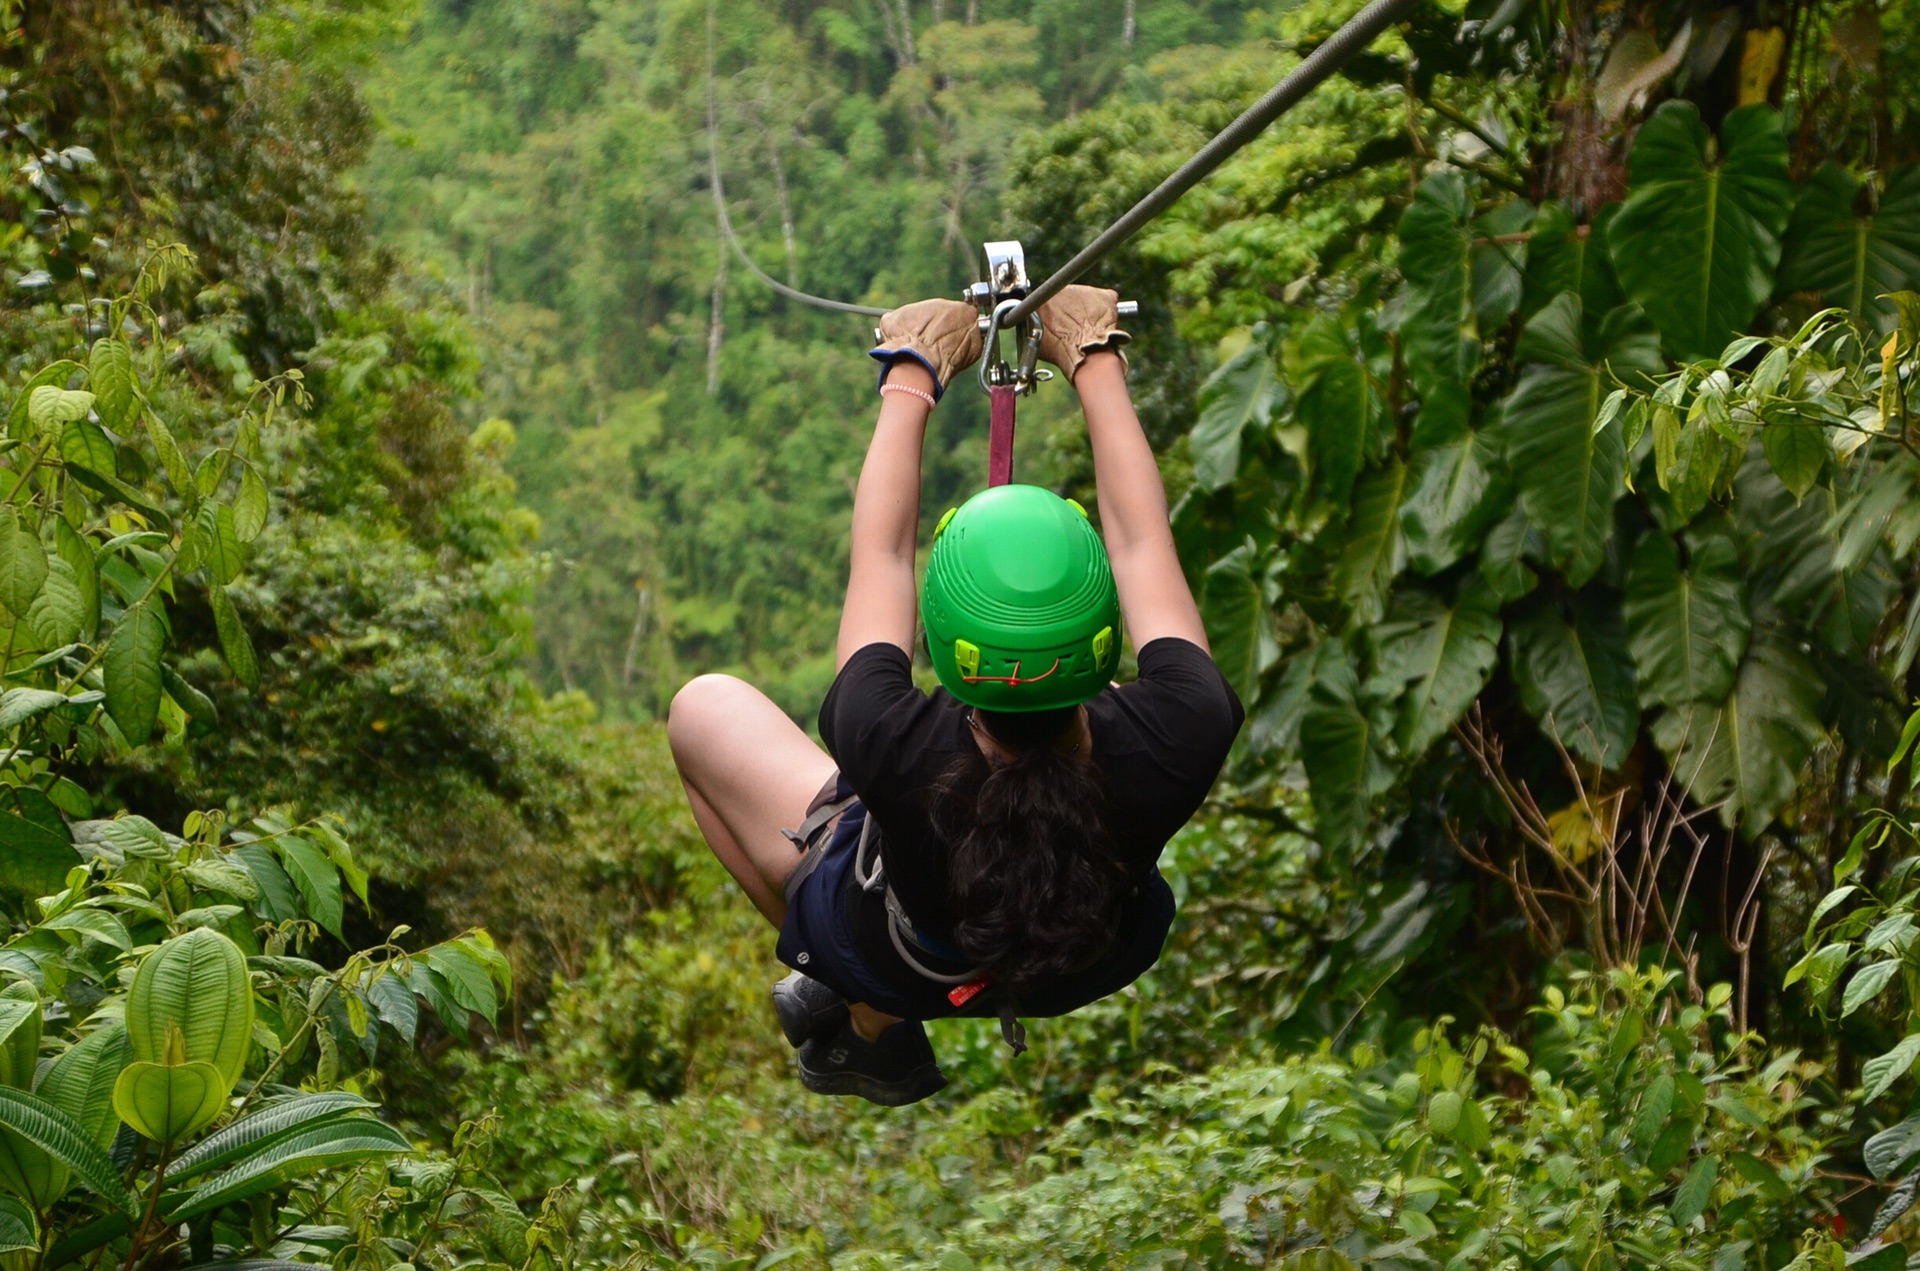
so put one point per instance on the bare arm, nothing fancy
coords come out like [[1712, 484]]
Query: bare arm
[[881, 605], [1154, 597]]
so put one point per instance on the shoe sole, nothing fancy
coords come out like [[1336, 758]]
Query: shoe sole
[[798, 1023], [917, 1085]]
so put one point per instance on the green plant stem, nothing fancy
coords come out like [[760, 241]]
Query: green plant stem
[[26, 472], [1455, 115], [153, 1207], [101, 652]]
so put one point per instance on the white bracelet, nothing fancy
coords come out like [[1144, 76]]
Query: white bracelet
[[920, 393]]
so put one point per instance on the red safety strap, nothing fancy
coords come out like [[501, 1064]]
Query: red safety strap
[[1000, 438]]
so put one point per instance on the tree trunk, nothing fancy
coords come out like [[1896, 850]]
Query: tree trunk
[[716, 319], [786, 210], [1126, 26]]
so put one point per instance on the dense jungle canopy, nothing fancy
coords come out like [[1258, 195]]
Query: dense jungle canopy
[[389, 433]]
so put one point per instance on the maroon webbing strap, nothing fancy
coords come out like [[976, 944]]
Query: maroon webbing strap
[[1000, 437]]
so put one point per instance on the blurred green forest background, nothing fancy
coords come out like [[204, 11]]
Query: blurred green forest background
[[389, 434]]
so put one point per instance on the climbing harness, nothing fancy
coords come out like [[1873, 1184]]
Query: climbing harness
[[870, 872]]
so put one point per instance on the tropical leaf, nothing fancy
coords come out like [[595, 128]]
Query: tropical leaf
[[1747, 750], [1239, 622], [235, 646], [250, 505], [324, 1146], [18, 1230], [65, 1140], [1334, 400], [50, 409], [58, 615], [1575, 676], [1854, 260], [1374, 551], [1568, 476], [36, 848], [1240, 395], [20, 1022], [74, 550], [317, 879], [80, 1080], [57, 375], [1343, 766], [110, 374], [275, 1121], [1695, 1191], [18, 705], [1687, 627], [1457, 490], [132, 669], [23, 565], [1888, 1152], [196, 983], [1697, 240], [1444, 654], [1563, 255], [1878, 1074], [1509, 545], [169, 1102], [1441, 331], [84, 442]]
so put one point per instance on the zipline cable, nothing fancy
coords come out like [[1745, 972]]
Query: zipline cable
[[1350, 39], [726, 222], [1360, 31]]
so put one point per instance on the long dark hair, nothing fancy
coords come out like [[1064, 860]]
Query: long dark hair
[[1036, 879]]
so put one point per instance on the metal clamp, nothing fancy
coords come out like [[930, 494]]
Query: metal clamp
[[1006, 285]]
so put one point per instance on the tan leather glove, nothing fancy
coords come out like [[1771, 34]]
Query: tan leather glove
[[941, 335], [1078, 321]]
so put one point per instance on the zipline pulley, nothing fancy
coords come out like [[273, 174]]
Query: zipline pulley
[[997, 298]]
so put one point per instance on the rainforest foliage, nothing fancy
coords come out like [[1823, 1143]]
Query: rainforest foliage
[[389, 430]]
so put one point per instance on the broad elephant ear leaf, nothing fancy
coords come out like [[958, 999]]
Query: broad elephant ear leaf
[[1239, 622], [1441, 332], [1564, 255], [1568, 475], [1373, 551], [1334, 399], [1443, 653], [1338, 749], [1688, 626], [1698, 238], [1575, 677], [1852, 260], [1456, 490], [1242, 394], [1746, 751]]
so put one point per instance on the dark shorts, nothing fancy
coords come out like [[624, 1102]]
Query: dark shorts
[[819, 940]]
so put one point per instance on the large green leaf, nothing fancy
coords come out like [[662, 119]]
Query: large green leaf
[[1334, 400], [1457, 490], [60, 1136], [198, 983], [110, 375], [1568, 475], [1697, 240], [132, 668], [23, 565], [170, 1102], [36, 848], [18, 1230], [1746, 752], [235, 645], [1563, 255], [1852, 260], [1444, 654], [319, 1147], [316, 877], [75, 551], [1441, 330], [1239, 622], [1575, 676], [20, 1022], [80, 1083], [1343, 766], [1374, 551], [58, 615], [1687, 627], [275, 1121], [1238, 396]]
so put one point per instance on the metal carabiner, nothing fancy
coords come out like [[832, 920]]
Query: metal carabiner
[[1024, 375]]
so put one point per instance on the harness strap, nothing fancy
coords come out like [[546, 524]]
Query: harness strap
[[802, 838], [1000, 435], [871, 873]]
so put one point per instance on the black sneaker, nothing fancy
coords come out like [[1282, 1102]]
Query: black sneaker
[[896, 1070], [807, 1008]]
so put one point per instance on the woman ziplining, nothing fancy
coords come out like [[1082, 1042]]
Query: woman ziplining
[[989, 848]]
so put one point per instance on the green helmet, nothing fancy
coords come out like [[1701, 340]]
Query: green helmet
[[1019, 603]]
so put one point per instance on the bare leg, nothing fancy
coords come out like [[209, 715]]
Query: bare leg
[[868, 1022], [749, 773]]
